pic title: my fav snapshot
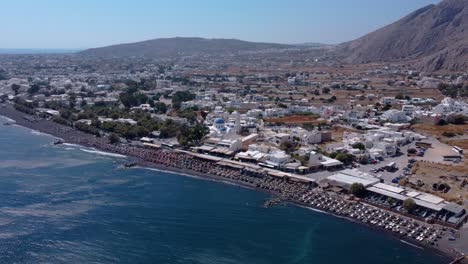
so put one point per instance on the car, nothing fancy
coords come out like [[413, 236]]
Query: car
[[396, 180]]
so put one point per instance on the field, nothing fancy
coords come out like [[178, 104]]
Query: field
[[295, 120], [461, 134], [430, 173], [437, 131]]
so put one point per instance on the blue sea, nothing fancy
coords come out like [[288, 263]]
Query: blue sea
[[66, 204]]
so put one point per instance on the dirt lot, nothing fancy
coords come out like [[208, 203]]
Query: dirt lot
[[461, 143], [461, 132], [338, 131], [437, 131], [429, 173], [295, 120]]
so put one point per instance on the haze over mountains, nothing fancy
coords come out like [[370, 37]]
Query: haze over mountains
[[165, 47], [434, 38]]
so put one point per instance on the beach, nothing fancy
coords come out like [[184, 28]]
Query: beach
[[295, 192]]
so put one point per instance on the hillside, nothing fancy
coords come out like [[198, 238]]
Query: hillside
[[167, 47], [436, 36]]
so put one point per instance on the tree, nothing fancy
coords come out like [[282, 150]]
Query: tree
[[359, 146], [114, 138], [160, 107], [181, 96], [448, 134], [189, 136], [287, 146], [399, 96], [442, 122], [386, 107], [345, 158], [325, 90], [34, 89], [15, 87], [457, 119], [409, 205], [358, 190]]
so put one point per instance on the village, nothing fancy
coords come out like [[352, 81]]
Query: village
[[367, 132]]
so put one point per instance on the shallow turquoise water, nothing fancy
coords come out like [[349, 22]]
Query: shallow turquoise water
[[65, 205]]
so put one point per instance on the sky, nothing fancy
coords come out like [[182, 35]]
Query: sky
[[79, 24]]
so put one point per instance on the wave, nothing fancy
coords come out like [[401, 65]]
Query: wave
[[70, 145], [314, 209], [103, 153], [408, 243], [8, 119], [35, 132]]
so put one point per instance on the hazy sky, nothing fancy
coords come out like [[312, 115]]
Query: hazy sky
[[93, 23]]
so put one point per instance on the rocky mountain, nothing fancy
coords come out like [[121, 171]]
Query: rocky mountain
[[435, 37], [168, 47]]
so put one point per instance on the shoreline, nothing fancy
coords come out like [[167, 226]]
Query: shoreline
[[81, 139]]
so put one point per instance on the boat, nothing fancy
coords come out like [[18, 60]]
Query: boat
[[130, 164], [58, 142], [271, 202]]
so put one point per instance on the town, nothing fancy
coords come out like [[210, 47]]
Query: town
[[381, 143]]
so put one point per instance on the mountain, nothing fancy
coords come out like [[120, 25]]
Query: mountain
[[166, 47], [435, 37]]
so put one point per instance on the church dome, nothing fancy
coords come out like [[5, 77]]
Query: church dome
[[219, 121]]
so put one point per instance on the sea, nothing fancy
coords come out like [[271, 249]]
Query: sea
[[68, 204]]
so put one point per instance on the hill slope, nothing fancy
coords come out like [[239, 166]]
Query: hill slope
[[436, 35], [165, 47]]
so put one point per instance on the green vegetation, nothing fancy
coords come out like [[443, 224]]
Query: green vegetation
[[288, 146], [34, 89], [131, 98], [160, 107], [453, 90], [191, 136], [15, 87], [24, 109], [302, 159], [359, 145], [114, 138], [442, 122], [448, 134], [181, 96], [87, 128], [358, 190], [343, 157], [61, 120], [409, 205], [457, 119]]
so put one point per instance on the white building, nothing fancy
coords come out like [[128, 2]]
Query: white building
[[395, 116]]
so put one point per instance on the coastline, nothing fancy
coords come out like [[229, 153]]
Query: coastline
[[81, 139]]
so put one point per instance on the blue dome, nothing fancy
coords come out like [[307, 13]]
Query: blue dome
[[219, 121]]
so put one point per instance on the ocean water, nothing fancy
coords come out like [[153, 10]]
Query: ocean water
[[60, 204]]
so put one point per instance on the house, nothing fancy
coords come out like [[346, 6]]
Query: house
[[388, 100], [408, 110], [395, 116]]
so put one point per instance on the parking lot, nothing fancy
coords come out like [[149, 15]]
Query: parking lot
[[433, 154]]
